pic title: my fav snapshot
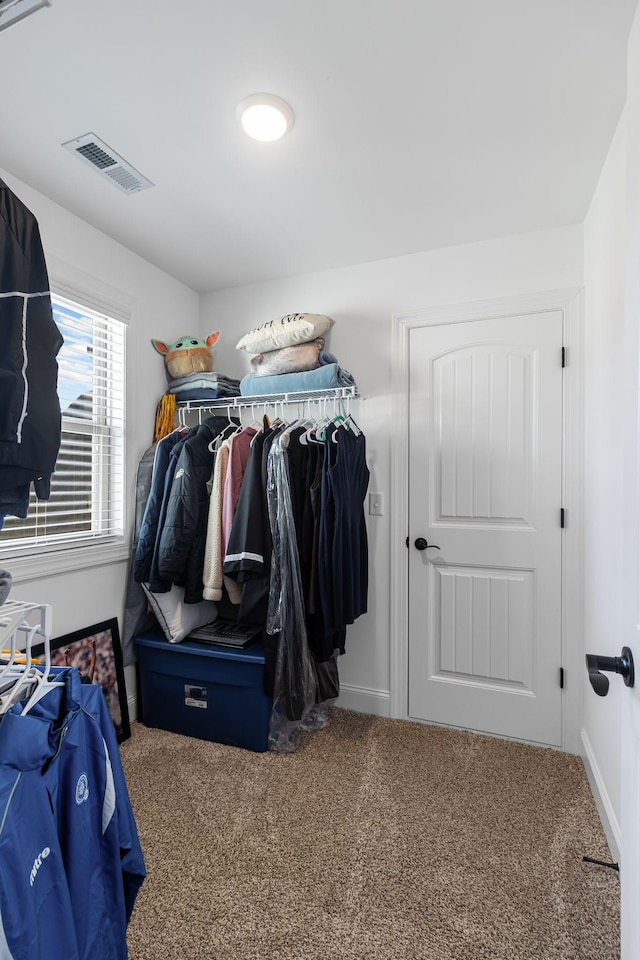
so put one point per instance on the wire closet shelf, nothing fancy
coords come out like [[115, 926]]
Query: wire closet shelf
[[336, 395], [29, 619]]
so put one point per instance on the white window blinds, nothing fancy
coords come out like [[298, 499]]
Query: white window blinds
[[87, 487]]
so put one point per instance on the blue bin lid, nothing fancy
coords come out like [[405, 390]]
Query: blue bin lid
[[252, 653]]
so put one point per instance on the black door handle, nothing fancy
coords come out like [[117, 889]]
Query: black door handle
[[622, 665], [421, 544]]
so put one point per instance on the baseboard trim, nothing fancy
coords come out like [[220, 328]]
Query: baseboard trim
[[610, 823], [132, 703], [365, 700]]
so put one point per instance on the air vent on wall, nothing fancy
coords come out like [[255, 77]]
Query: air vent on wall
[[107, 162], [13, 10]]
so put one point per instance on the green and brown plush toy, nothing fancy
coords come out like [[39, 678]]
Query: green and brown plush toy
[[187, 355]]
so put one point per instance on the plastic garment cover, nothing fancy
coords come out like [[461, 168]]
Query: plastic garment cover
[[295, 684], [137, 617]]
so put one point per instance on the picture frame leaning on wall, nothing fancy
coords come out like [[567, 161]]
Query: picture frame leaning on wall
[[96, 653]]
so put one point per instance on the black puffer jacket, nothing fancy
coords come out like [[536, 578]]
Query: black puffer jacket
[[29, 406], [184, 532]]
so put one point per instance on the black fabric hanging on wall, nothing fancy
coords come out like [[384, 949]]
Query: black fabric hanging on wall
[[29, 345]]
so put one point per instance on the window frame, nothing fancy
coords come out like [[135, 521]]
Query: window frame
[[53, 559]]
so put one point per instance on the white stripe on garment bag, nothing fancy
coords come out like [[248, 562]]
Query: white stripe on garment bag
[[21, 293], [25, 360], [244, 556]]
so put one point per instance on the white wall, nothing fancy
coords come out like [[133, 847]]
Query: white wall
[[604, 236], [160, 307], [362, 300], [612, 289]]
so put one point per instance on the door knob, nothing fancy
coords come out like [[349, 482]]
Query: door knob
[[421, 544], [622, 665]]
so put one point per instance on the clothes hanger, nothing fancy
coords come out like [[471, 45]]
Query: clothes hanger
[[24, 677], [10, 621], [319, 423], [217, 440], [44, 684]]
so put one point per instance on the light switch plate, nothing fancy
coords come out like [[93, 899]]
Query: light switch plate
[[376, 504]]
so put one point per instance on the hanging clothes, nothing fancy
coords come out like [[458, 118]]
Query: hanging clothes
[[29, 405], [313, 554], [343, 562], [212, 576], [283, 528], [184, 532], [70, 859], [248, 557], [151, 516], [239, 449], [294, 689], [137, 618]]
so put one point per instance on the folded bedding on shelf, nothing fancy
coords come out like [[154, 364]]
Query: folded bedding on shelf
[[202, 379], [214, 385], [324, 378], [294, 359], [207, 393]]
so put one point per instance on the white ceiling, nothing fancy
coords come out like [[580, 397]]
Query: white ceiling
[[419, 123]]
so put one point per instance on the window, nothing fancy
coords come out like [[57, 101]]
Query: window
[[87, 499]]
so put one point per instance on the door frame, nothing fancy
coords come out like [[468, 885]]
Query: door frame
[[571, 303]]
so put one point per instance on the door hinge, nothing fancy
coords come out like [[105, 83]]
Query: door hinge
[[407, 541], [562, 678], [564, 356], [562, 517]]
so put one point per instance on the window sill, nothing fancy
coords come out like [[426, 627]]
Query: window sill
[[56, 562]]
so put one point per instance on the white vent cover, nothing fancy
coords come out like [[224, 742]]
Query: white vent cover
[[107, 162], [13, 10]]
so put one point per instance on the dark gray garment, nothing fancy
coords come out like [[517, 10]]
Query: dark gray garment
[[137, 617], [5, 585]]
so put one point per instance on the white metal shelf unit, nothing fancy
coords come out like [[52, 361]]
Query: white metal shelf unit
[[339, 396], [26, 618]]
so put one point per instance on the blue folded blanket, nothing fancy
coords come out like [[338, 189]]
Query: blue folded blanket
[[324, 378]]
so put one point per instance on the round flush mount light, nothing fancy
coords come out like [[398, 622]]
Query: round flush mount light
[[265, 117]]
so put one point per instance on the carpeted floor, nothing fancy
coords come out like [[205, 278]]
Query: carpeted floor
[[376, 839]]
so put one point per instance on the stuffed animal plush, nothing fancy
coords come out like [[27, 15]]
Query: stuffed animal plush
[[187, 355]]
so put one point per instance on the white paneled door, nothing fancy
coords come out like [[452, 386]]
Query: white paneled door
[[485, 484]]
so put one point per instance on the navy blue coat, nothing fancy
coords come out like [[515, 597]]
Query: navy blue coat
[[184, 532]]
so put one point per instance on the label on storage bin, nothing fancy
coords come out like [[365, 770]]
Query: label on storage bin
[[195, 696]]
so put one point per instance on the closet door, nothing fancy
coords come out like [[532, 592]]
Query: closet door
[[485, 451]]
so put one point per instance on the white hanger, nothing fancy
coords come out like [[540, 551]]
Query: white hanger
[[24, 677], [44, 685], [27, 675]]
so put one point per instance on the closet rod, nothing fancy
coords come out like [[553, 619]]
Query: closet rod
[[293, 396]]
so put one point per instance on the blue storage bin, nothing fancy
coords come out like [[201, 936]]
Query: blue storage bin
[[204, 691]]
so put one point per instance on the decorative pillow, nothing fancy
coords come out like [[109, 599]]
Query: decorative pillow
[[302, 356], [285, 332], [176, 617]]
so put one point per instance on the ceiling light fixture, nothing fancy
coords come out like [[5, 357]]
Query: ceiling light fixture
[[265, 117]]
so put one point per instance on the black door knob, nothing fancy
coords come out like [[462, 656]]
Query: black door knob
[[421, 544], [622, 665]]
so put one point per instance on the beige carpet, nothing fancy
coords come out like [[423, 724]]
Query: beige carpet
[[377, 839]]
